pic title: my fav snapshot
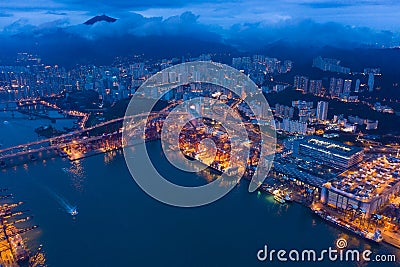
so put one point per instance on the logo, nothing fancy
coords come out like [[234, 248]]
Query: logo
[[208, 97], [341, 243], [341, 253]]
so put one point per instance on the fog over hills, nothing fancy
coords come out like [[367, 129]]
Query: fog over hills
[[101, 38]]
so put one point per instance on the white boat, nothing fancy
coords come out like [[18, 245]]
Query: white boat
[[73, 212], [279, 199]]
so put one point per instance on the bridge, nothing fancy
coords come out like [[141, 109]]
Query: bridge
[[73, 144], [24, 106], [89, 140]]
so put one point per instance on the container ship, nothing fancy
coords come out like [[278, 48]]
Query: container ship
[[375, 237]]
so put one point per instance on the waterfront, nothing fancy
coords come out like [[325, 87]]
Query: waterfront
[[235, 86], [119, 220], [119, 225]]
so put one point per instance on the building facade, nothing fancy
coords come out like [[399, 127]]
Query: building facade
[[328, 152]]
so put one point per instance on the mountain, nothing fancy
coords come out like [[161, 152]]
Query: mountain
[[98, 19]]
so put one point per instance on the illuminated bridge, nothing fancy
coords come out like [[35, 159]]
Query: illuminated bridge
[[109, 130]]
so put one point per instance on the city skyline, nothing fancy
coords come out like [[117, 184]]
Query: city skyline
[[224, 132]]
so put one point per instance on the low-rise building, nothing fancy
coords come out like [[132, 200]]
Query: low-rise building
[[367, 186]]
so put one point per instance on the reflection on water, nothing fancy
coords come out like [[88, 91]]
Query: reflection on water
[[110, 155], [142, 223], [76, 174]]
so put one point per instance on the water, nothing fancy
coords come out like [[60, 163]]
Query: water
[[119, 225], [18, 129]]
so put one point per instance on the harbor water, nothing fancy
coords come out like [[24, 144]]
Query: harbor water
[[120, 225]]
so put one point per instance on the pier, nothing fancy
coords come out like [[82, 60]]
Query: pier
[[13, 250]]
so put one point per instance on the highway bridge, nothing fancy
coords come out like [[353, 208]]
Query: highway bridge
[[56, 146]]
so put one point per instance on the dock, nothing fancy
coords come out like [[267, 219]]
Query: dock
[[391, 238], [13, 250]]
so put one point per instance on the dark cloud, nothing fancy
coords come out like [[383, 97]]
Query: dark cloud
[[338, 4], [101, 42], [22, 27], [108, 6], [174, 36], [5, 15], [17, 27], [56, 13], [245, 36], [252, 36], [134, 24]]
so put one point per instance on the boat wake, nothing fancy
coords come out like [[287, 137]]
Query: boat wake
[[65, 204]]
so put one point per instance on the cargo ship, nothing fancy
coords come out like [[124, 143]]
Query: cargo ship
[[375, 237]]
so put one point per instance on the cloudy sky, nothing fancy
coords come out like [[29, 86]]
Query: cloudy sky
[[376, 14], [240, 23]]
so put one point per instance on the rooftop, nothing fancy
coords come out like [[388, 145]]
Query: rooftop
[[327, 144], [369, 179]]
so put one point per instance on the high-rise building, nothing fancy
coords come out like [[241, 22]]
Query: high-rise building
[[329, 64], [375, 71], [339, 86], [300, 104], [322, 110], [292, 126], [336, 87], [332, 86], [371, 82], [259, 58], [347, 87], [172, 77], [371, 125], [165, 77], [287, 65], [237, 62], [284, 111], [301, 82], [315, 87], [357, 88], [246, 63]]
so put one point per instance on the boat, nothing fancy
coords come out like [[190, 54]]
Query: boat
[[214, 167], [73, 212], [279, 199], [267, 188], [375, 237], [288, 198]]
